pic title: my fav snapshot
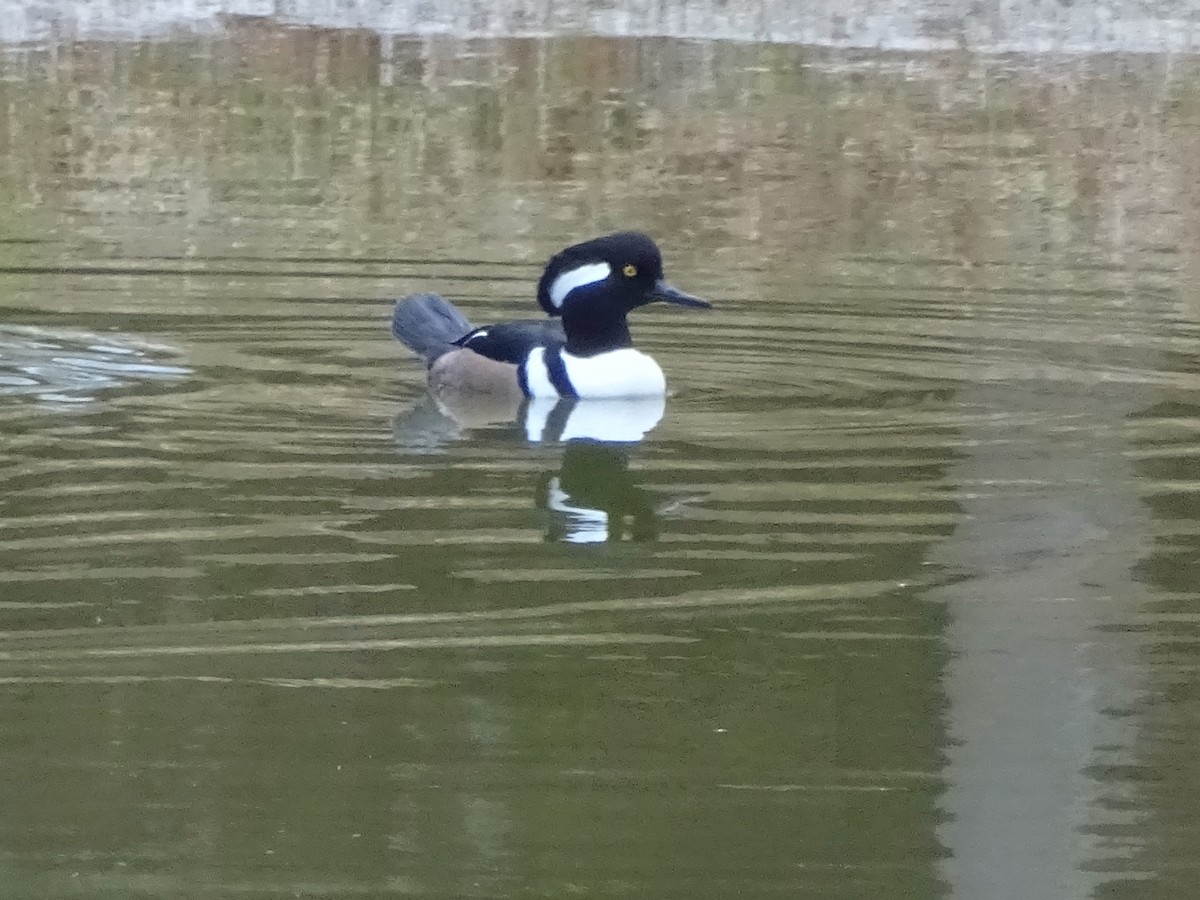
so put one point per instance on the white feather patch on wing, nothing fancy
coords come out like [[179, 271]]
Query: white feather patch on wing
[[577, 277], [537, 378], [617, 373], [473, 337]]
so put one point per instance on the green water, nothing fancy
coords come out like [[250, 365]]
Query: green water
[[898, 599]]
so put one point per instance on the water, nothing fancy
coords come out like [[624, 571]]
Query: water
[[896, 598]]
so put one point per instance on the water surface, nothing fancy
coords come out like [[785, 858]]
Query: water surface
[[897, 599]]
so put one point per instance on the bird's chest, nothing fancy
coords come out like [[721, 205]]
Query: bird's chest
[[617, 373]]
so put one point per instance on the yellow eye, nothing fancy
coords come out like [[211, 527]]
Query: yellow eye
[[630, 270]]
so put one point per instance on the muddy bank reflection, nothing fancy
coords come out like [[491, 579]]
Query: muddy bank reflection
[[1024, 26], [955, 160]]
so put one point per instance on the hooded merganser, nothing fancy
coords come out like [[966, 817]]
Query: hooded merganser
[[583, 350]]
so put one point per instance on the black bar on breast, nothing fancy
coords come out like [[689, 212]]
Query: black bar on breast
[[523, 378], [557, 370]]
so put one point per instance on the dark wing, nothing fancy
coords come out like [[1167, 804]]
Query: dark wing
[[511, 342]]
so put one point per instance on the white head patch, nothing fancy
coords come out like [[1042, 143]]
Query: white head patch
[[577, 277]]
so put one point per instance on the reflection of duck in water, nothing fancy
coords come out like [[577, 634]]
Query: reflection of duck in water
[[593, 497], [584, 350]]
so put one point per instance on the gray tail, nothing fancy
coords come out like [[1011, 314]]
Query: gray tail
[[428, 325]]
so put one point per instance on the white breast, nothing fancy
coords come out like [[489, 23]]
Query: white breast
[[537, 378], [617, 373]]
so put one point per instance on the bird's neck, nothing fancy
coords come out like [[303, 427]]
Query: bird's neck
[[590, 332]]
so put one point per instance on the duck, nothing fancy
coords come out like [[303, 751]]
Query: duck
[[582, 349]]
